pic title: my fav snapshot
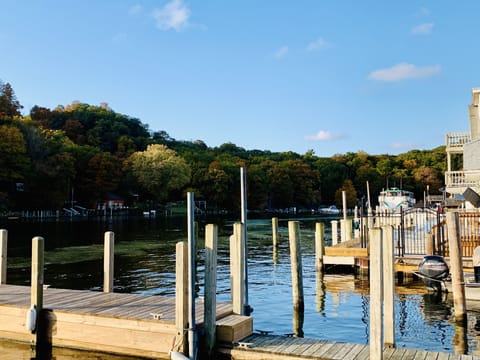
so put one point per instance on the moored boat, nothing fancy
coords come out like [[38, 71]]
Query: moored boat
[[395, 200]]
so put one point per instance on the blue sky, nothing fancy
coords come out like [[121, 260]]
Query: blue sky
[[331, 76]]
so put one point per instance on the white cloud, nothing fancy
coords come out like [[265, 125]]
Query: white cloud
[[324, 135], [281, 53], [135, 9], [318, 44], [423, 29], [174, 15], [403, 146], [404, 71]]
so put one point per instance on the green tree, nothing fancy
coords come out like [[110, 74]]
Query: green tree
[[9, 105], [159, 170]]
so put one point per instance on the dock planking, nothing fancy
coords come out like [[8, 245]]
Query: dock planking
[[128, 324], [282, 347]]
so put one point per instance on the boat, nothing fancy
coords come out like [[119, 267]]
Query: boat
[[395, 200], [331, 210]]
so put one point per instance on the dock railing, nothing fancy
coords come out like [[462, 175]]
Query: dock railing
[[455, 141]]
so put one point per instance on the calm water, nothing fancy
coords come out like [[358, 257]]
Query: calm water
[[144, 263]]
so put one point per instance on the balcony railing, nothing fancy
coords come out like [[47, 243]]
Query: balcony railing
[[462, 179], [457, 140]]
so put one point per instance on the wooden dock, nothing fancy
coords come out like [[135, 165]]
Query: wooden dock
[[129, 324], [258, 346]]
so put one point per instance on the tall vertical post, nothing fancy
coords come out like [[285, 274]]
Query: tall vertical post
[[297, 276], [36, 291], [210, 305], [344, 203], [181, 296], [3, 256], [319, 246], [243, 189], [108, 257], [275, 232], [458, 288], [388, 287], [376, 291], [334, 232], [296, 263], [236, 270], [192, 339]]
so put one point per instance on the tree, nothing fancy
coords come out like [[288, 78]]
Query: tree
[[9, 105], [159, 170], [350, 193]]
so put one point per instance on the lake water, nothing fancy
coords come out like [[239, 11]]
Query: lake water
[[145, 263]]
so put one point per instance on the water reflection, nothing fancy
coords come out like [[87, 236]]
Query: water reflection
[[336, 304]]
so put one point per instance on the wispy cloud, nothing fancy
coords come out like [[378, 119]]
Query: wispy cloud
[[174, 15], [281, 53], [404, 71], [319, 43], [423, 29], [135, 9], [324, 135], [403, 146]]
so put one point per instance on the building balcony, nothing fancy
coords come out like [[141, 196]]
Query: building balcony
[[457, 181], [455, 141]]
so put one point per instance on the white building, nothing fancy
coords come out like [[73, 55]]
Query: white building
[[468, 145]]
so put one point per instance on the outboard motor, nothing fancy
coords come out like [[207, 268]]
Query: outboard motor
[[434, 271]]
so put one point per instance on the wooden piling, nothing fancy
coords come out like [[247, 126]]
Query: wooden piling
[[388, 287], [376, 291], [210, 305], [456, 269], [192, 335], [181, 297], [319, 246], [344, 203], [296, 264], [3, 256], [236, 269], [275, 233], [37, 280], [108, 263], [334, 232], [429, 244]]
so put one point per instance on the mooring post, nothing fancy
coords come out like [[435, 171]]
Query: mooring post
[[243, 204], [108, 257], [296, 264], [3, 256], [334, 232], [388, 287], [236, 269], [36, 293], [275, 233], [456, 269], [429, 244], [344, 203], [319, 252], [376, 291], [181, 296], [192, 336], [210, 305], [275, 239], [297, 276], [319, 246], [343, 230]]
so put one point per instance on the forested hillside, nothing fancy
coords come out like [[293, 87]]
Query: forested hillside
[[86, 152]]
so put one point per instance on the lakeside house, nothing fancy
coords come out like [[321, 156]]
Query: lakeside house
[[465, 182]]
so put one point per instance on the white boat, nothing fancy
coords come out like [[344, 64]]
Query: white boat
[[394, 199], [331, 210]]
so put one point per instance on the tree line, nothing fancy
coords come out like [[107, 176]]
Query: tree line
[[85, 152]]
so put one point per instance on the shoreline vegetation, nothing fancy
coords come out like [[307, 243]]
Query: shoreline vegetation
[[81, 157]]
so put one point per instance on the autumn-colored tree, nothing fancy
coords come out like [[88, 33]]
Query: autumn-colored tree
[[159, 171], [351, 194]]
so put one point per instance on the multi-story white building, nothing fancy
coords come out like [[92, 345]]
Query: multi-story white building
[[468, 145]]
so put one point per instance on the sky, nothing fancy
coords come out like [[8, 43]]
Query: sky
[[383, 77]]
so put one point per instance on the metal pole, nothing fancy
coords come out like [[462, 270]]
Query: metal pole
[[243, 188], [192, 340]]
